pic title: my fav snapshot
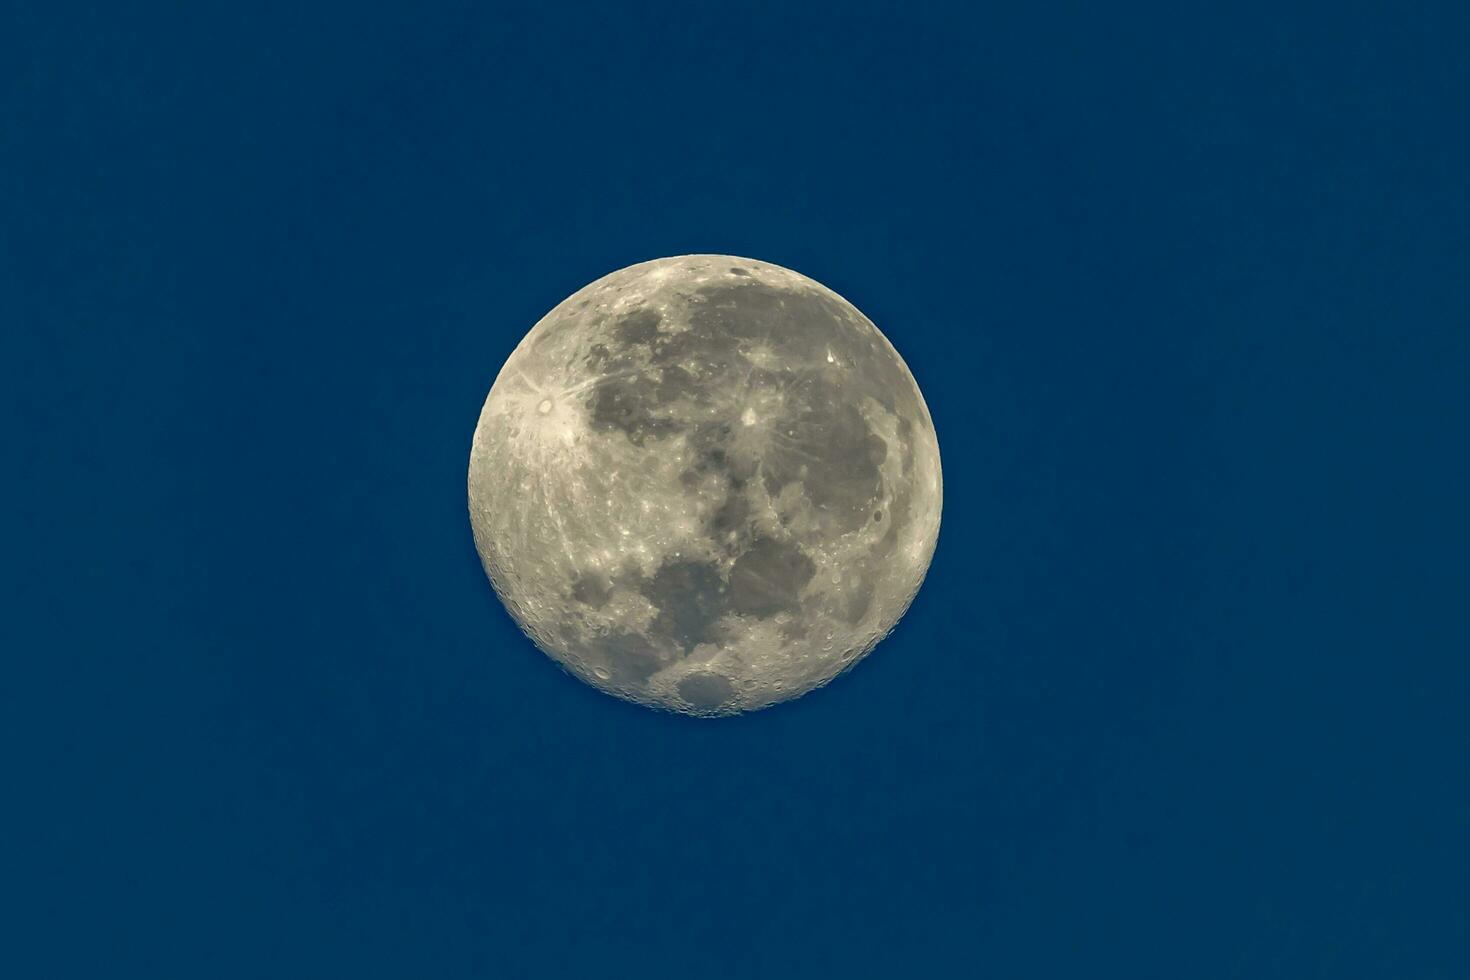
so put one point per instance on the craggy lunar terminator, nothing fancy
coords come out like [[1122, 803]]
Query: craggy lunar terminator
[[705, 484]]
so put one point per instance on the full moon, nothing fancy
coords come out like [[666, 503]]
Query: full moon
[[705, 484]]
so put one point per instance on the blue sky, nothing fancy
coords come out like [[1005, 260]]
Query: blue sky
[[1185, 292]]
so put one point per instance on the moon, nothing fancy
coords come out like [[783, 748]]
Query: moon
[[705, 484]]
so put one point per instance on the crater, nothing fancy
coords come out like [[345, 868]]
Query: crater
[[898, 510], [705, 691]]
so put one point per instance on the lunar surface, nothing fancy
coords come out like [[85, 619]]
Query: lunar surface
[[705, 484]]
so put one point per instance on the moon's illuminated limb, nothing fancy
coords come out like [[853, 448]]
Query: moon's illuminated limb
[[706, 484]]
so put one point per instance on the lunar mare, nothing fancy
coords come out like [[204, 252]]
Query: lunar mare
[[705, 484]]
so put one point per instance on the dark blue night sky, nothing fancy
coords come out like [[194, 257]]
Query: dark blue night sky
[[1184, 695]]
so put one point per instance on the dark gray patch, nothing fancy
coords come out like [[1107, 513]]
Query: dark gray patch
[[628, 405], [731, 516], [630, 656], [877, 515], [882, 376], [797, 323], [769, 577], [710, 347], [591, 591], [710, 458], [906, 444], [706, 691], [690, 597], [827, 447], [598, 356], [638, 327], [855, 599], [677, 382], [735, 270]]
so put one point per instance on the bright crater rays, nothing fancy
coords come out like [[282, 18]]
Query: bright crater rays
[[705, 484]]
